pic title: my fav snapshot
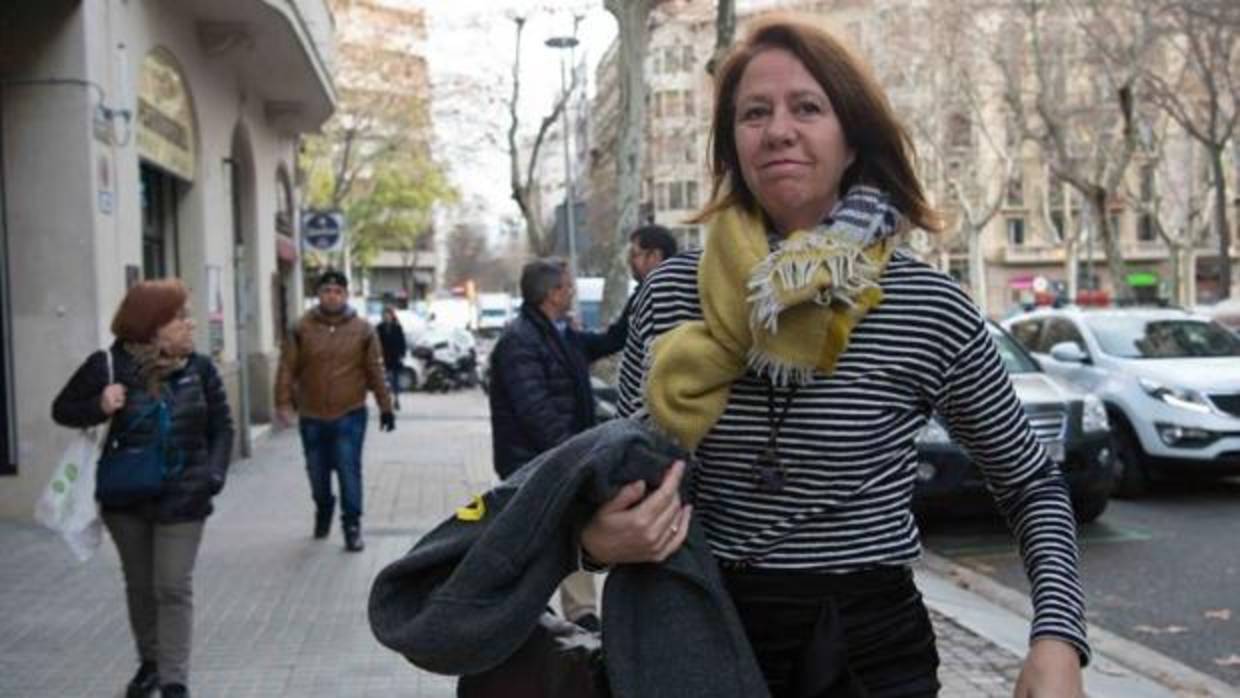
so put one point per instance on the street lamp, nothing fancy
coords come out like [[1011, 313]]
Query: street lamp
[[567, 42]]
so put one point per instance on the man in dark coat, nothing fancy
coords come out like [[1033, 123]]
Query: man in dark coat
[[649, 245], [540, 392]]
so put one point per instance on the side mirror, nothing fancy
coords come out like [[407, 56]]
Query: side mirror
[[1069, 352]]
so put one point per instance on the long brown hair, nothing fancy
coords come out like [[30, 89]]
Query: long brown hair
[[885, 153]]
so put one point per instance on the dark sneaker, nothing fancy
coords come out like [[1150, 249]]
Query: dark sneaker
[[590, 622], [144, 682], [353, 539], [173, 690]]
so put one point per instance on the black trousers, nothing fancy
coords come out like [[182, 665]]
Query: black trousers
[[857, 635]]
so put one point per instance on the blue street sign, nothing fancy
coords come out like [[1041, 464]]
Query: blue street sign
[[322, 230]]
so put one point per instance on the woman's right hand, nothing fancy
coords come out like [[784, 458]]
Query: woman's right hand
[[113, 399], [628, 528]]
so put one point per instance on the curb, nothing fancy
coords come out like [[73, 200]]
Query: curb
[[1113, 656]]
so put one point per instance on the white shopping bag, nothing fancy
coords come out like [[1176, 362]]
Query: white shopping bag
[[68, 504]]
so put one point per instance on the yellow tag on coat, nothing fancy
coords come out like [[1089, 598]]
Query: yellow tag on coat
[[474, 511]]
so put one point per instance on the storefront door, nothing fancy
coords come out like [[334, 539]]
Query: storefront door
[[160, 256]]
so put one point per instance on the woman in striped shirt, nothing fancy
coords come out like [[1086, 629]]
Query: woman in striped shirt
[[797, 356]]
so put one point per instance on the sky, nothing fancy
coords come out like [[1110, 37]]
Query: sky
[[470, 53]]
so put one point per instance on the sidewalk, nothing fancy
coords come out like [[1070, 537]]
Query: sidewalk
[[279, 614]]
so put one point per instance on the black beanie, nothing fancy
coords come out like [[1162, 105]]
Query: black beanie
[[332, 276]]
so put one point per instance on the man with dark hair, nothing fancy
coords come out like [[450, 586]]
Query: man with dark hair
[[330, 360], [649, 245], [540, 392]]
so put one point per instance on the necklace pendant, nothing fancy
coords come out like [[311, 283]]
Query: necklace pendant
[[769, 472]]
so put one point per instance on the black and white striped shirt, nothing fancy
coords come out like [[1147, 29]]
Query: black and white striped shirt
[[848, 441]]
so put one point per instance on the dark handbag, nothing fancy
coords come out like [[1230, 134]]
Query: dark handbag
[[129, 475], [560, 660]]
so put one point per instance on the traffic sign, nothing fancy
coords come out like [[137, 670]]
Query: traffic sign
[[322, 230]]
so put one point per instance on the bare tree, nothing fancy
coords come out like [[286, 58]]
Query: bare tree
[[525, 189], [632, 20], [942, 72], [1072, 88], [1200, 90]]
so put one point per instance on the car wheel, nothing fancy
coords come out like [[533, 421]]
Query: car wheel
[[406, 380], [1133, 479], [1087, 510]]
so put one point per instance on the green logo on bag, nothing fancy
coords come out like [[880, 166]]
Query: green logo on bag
[[58, 487], [71, 472]]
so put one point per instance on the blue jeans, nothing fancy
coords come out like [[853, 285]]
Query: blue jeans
[[335, 444]]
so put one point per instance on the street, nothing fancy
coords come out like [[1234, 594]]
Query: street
[[1162, 571]]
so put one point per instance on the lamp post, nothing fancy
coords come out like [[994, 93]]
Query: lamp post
[[570, 205]]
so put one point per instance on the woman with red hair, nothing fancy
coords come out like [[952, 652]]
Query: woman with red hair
[[162, 396]]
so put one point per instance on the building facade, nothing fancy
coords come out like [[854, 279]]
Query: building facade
[[146, 139], [1037, 241]]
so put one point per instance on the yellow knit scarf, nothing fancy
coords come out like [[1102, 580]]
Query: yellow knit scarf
[[785, 314]]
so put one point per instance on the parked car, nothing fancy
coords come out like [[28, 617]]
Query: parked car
[[1170, 381], [1071, 425]]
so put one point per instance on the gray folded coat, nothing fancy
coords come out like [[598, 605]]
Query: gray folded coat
[[470, 592]]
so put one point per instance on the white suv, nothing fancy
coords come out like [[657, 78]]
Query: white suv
[[1170, 381]]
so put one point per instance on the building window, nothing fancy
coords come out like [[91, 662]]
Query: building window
[[676, 196], [1016, 232], [1057, 225], [688, 237], [1147, 232], [959, 130], [673, 103], [1147, 183]]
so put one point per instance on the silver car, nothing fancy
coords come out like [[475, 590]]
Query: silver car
[[1170, 381]]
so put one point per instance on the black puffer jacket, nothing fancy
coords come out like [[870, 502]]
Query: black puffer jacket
[[540, 389], [201, 433]]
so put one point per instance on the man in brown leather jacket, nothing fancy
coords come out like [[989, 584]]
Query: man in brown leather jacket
[[326, 366]]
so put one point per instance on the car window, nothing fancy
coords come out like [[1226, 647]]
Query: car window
[[1061, 330], [1135, 337], [1015, 360], [1026, 332]]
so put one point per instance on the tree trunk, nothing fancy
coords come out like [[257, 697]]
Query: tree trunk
[[977, 268], [1116, 266], [1220, 222], [631, 18], [725, 33]]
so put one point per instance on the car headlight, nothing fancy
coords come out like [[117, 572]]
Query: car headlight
[[1094, 415], [1176, 397], [933, 433]]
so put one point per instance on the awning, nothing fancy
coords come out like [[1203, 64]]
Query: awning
[[286, 248]]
